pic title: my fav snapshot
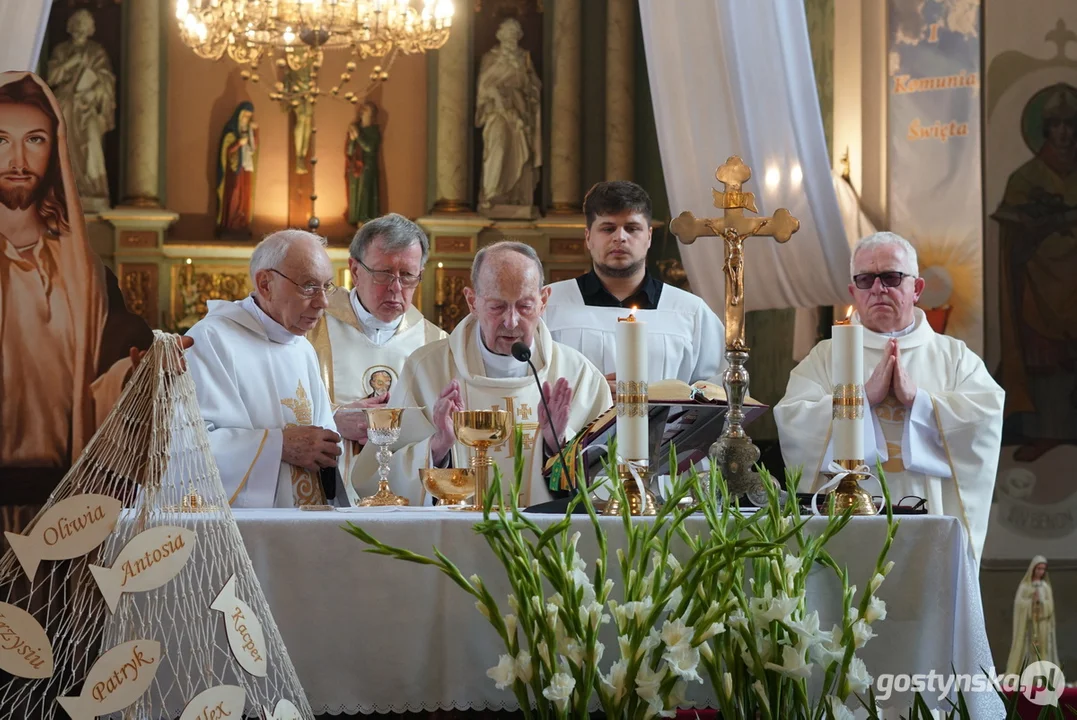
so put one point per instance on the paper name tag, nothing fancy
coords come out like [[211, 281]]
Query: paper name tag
[[117, 679], [148, 561], [216, 703], [69, 529], [25, 650], [285, 710], [244, 630]]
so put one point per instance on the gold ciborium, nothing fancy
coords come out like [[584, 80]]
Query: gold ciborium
[[482, 430], [849, 494], [383, 429], [451, 486]]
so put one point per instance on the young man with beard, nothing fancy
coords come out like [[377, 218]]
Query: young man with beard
[[57, 381], [685, 338]]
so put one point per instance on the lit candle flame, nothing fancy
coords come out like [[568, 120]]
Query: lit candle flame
[[631, 316], [848, 317]]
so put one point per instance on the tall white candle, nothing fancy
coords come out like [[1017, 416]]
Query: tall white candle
[[632, 388], [847, 367]]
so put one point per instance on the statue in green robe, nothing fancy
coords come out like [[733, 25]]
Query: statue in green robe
[[361, 165]]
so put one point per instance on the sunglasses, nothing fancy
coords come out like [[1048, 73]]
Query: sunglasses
[[865, 281]]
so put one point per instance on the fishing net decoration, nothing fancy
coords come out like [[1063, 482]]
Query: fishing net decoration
[[153, 455]]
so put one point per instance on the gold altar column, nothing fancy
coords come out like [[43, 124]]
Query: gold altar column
[[453, 117], [620, 89], [565, 110], [142, 113]]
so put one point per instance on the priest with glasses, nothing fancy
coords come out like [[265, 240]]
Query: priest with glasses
[[365, 336], [935, 413]]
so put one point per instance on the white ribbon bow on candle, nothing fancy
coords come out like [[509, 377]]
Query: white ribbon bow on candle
[[627, 463], [839, 473]]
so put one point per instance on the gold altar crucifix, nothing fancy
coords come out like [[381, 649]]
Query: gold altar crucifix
[[733, 228]]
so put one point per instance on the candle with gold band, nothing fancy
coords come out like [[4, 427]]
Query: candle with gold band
[[632, 389], [847, 369]]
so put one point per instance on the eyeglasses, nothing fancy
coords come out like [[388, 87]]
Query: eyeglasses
[[865, 281], [384, 277], [311, 289]]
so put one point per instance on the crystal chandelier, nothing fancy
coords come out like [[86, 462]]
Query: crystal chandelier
[[251, 29]]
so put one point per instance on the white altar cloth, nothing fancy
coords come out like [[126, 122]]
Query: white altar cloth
[[367, 633]]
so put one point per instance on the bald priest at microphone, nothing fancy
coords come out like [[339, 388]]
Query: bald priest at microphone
[[478, 368]]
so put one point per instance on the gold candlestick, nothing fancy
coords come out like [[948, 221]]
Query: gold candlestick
[[849, 494], [641, 501]]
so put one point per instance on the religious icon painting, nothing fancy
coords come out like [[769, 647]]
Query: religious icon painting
[[378, 380]]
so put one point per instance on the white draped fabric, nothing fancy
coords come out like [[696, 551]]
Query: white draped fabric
[[24, 30], [734, 77]]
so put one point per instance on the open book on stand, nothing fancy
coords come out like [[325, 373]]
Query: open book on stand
[[690, 417]]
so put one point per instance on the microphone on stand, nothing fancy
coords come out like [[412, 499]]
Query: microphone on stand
[[523, 353]]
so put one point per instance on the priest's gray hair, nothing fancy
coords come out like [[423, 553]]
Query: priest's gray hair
[[500, 247], [910, 266], [396, 233], [270, 253]]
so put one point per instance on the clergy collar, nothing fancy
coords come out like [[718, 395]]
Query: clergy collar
[[595, 293], [367, 319], [274, 330], [499, 366], [903, 332], [919, 333]]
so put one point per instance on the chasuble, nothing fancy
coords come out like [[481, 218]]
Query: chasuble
[[686, 340], [432, 367], [254, 379], [353, 366], [945, 448]]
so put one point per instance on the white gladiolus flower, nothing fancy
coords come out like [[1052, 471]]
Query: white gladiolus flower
[[607, 587], [862, 632], [706, 652], [876, 610], [574, 540], [482, 609], [714, 629], [838, 709], [808, 629], [596, 653], [792, 563], [625, 645], [648, 682], [574, 652], [858, 677], [615, 680], [675, 632], [536, 603], [504, 674], [830, 650], [675, 598], [767, 609], [580, 580], [876, 582], [476, 581], [560, 689], [620, 614], [514, 603], [888, 568], [727, 685], [683, 661], [523, 666], [673, 563], [556, 600], [793, 664], [736, 620], [758, 687], [535, 565], [544, 652], [510, 625]]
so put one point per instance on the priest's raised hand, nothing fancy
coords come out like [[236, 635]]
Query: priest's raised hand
[[449, 401], [310, 447], [353, 425], [559, 398]]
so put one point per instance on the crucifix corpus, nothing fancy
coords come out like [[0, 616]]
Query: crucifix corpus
[[734, 451]]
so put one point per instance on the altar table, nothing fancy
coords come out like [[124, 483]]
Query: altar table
[[371, 634]]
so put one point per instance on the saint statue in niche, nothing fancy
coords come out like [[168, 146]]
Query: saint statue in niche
[[80, 75], [1033, 620], [361, 165], [1038, 243], [508, 109], [237, 159]]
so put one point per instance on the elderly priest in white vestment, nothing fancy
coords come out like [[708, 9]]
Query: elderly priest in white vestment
[[268, 414], [686, 340], [366, 335], [936, 414], [474, 369]]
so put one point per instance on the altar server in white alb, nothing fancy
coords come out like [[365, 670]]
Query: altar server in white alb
[[268, 415], [936, 413], [473, 369], [366, 335], [685, 337]]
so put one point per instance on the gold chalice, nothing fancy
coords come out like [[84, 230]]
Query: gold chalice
[[481, 430], [451, 486], [383, 429]]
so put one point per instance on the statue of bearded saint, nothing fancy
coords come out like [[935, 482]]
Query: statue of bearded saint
[[81, 76], [508, 109]]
